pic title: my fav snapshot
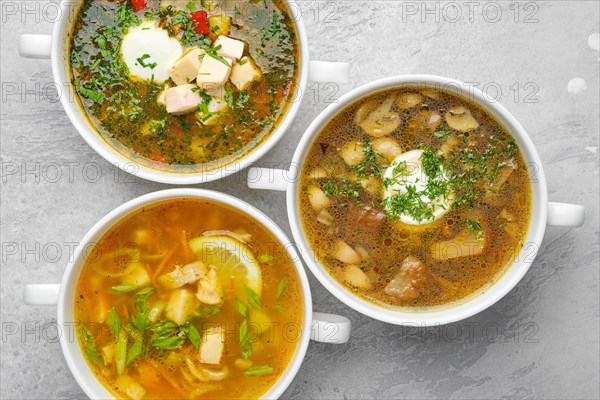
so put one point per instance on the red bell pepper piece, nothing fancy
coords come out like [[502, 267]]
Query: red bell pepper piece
[[200, 22], [139, 5]]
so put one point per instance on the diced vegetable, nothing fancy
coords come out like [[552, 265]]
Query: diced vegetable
[[356, 277], [200, 21], [324, 217], [181, 306], [212, 345], [219, 25], [344, 253], [317, 198], [138, 5], [138, 277]]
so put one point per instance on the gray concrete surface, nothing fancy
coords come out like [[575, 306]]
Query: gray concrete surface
[[540, 341]]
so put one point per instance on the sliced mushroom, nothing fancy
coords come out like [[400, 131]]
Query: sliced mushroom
[[424, 120], [325, 218], [408, 100], [319, 173], [387, 149], [380, 121], [460, 119], [353, 153]]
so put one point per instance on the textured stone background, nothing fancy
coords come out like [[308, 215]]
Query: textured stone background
[[540, 341]]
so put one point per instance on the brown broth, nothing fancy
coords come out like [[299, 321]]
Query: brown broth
[[157, 238], [390, 241]]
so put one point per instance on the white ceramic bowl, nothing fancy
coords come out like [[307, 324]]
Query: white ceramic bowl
[[56, 48], [543, 212], [317, 326]]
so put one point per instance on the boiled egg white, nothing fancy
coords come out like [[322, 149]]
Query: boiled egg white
[[149, 52], [415, 176]]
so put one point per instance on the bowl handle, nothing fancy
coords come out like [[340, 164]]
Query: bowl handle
[[326, 71], [268, 178], [35, 46], [330, 328], [562, 214], [45, 294]]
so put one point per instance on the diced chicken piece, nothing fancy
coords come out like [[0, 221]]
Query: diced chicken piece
[[209, 288], [138, 277], [466, 243], [182, 99], [230, 48], [181, 306], [156, 310], [212, 346], [108, 353], [185, 70], [406, 283], [244, 73], [130, 387], [213, 72], [356, 277], [215, 109], [344, 253], [180, 276], [162, 98]]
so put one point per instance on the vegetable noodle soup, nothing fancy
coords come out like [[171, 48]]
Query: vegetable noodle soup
[[415, 197], [188, 299], [176, 84]]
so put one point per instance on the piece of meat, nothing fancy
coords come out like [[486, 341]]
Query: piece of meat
[[408, 282], [366, 218]]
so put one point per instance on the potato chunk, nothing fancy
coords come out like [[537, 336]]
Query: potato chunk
[[244, 73], [138, 277], [185, 70], [209, 288], [344, 253], [182, 99], [212, 345], [317, 198], [181, 306], [356, 277]]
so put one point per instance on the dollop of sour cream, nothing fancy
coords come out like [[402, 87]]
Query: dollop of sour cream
[[149, 52], [414, 176]]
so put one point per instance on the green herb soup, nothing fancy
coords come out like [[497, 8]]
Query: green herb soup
[[175, 84]]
